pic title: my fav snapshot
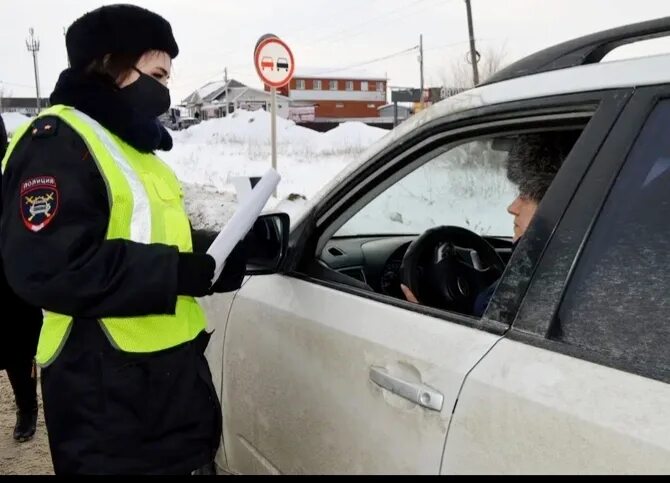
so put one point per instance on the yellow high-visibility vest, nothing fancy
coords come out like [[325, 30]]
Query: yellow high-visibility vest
[[146, 206]]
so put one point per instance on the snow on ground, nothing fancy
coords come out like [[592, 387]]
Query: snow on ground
[[13, 120], [207, 156]]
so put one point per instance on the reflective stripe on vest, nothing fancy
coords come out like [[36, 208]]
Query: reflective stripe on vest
[[146, 206], [140, 224]]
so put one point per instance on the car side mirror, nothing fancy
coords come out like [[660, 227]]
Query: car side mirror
[[267, 244]]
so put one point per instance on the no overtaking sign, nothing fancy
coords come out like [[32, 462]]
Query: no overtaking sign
[[274, 62]]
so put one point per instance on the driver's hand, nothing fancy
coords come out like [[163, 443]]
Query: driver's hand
[[409, 295]]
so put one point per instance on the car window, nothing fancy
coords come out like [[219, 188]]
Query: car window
[[417, 235], [616, 304], [463, 186]]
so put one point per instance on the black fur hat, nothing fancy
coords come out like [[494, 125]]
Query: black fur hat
[[118, 29], [535, 159]]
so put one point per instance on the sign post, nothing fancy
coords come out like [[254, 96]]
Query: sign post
[[275, 66], [273, 91]]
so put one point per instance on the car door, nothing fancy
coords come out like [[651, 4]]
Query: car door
[[320, 377], [581, 384], [322, 380]]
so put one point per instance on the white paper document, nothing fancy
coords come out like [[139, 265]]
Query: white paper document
[[243, 220]]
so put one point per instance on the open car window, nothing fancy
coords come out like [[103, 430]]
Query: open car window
[[465, 185], [477, 188]]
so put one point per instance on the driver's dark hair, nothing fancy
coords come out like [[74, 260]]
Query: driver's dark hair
[[535, 159]]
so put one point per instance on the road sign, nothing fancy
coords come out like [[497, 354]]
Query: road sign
[[274, 62], [275, 65]]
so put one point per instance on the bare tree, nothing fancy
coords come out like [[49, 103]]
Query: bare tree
[[459, 74]]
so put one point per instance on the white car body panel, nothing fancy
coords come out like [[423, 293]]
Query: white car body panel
[[526, 410], [297, 396]]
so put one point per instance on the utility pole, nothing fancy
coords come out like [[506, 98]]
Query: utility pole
[[225, 79], [33, 45], [473, 49], [421, 66]]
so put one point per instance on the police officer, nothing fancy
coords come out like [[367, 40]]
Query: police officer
[[20, 328], [94, 231]]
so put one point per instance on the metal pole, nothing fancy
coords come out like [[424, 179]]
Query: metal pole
[[33, 45], [37, 83], [225, 79], [473, 49], [421, 63], [273, 91], [395, 113]]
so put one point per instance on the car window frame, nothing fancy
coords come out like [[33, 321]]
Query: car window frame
[[602, 107], [554, 272]]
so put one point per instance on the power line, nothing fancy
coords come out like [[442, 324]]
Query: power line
[[364, 27], [365, 24], [367, 62], [452, 44], [336, 35], [15, 84], [397, 54], [299, 33]]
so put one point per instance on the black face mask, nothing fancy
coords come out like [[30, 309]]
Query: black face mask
[[147, 96]]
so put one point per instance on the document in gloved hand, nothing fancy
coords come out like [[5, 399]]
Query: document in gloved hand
[[242, 220]]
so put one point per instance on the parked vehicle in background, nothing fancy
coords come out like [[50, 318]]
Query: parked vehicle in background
[[175, 121]]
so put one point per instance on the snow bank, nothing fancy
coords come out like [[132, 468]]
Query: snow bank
[[246, 127], [351, 136], [13, 120], [212, 152]]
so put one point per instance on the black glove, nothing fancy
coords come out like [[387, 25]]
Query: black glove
[[195, 272], [233, 271]]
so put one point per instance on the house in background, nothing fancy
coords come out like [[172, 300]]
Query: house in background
[[320, 101], [23, 105], [338, 96], [219, 98]]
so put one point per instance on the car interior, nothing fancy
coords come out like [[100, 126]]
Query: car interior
[[450, 259]]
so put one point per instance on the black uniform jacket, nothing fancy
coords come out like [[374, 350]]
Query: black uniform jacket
[[20, 323], [106, 411]]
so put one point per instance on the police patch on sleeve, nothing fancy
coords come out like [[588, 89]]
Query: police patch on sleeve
[[39, 202]]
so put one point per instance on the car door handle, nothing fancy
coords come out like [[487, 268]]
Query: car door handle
[[420, 394]]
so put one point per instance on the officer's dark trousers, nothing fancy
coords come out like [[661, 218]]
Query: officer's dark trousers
[[110, 412], [24, 385]]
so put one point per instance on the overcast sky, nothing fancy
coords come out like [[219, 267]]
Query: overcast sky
[[324, 34]]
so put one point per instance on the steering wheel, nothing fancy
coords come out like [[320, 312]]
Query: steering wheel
[[435, 269]]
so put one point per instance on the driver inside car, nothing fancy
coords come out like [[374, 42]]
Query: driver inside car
[[532, 164]]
